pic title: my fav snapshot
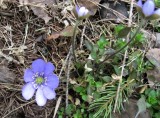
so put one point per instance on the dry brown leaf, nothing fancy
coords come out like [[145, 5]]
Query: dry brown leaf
[[153, 56], [91, 5], [39, 7], [41, 13], [53, 36], [130, 109], [77, 102], [67, 32], [6, 75]]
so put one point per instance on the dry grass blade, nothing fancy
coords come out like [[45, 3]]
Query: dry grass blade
[[6, 116], [57, 106]]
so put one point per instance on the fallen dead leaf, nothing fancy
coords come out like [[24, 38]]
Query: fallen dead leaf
[[77, 102], [130, 110], [41, 13], [39, 7], [52, 36], [153, 55], [6, 75], [67, 32]]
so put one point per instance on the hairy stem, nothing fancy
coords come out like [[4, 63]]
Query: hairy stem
[[73, 40]]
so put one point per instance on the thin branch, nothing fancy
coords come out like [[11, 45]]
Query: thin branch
[[9, 58], [74, 40], [67, 81]]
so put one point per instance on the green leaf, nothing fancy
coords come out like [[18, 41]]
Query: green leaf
[[94, 52], [89, 45], [96, 95], [141, 106], [102, 42], [140, 38], [118, 28], [118, 70], [79, 89], [120, 43], [107, 78], [70, 109], [157, 115], [152, 97], [90, 79], [157, 2], [124, 32], [84, 97], [99, 84]]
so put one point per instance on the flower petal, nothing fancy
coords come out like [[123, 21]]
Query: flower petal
[[82, 11], [86, 12], [28, 74], [148, 8], [49, 93], [139, 3], [38, 65], [52, 81], [28, 91], [49, 68], [157, 12], [40, 98], [77, 9], [156, 15]]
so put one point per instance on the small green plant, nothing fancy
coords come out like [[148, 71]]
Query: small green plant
[[153, 101]]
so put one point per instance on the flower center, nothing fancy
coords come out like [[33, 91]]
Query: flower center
[[39, 80]]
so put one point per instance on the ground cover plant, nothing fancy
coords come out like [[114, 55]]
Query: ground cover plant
[[79, 59]]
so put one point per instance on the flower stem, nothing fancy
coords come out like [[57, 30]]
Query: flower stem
[[138, 29], [73, 40]]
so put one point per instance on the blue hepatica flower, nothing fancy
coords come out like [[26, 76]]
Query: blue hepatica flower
[[40, 79], [148, 9], [82, 12]]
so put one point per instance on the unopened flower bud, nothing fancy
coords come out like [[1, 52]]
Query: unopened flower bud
[[147, 10], [81, 12]]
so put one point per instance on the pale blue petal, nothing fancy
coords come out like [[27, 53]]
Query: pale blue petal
[[49, 93], [52, 81], [86, 12], [49, 68], [28, 91], [28, 74], [38, 65], [148, 8], [40, 98], [139, 3], [82, 11], [157, 12], [77, 9]]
